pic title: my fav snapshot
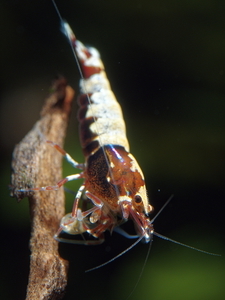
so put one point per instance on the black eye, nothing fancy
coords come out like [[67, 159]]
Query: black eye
[[137, 199]]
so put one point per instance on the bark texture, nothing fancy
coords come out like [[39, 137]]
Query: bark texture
[[35, 163]]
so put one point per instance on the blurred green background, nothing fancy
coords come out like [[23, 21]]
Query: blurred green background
[[166, 63]]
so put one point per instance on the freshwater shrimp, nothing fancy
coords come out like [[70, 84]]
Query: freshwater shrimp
[[113, 181]]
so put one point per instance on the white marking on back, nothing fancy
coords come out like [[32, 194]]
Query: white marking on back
[[95, 83]]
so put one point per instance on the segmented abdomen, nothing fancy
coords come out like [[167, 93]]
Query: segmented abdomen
[[100, 115]]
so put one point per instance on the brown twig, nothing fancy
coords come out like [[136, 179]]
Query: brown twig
[[37, 164]]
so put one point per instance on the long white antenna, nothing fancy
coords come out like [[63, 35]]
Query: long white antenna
[[162, 208], [117, 256], [184, 245]]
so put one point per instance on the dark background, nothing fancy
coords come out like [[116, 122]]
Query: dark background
[[166, 63]]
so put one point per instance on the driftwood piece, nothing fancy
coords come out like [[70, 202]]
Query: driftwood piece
[[35, 163]]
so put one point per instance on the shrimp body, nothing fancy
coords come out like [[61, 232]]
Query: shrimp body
[[113, 179]]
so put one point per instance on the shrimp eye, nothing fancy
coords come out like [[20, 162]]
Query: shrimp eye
[[138, 199]]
